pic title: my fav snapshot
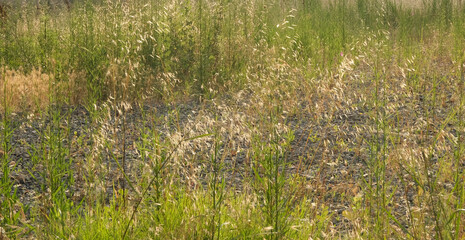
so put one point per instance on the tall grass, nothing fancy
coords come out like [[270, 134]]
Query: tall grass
[[8, 193], [376, 85]]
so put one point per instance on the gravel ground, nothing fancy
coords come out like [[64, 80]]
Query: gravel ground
[[306, 153], [330, 153]]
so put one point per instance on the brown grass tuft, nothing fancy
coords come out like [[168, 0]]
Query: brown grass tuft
[[24, 91]]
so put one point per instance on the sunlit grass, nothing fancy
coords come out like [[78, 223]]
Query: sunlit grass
[[228, 119]]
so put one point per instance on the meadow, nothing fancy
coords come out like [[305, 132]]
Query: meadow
[[230, 119]]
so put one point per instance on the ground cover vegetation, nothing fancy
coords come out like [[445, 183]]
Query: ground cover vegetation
[[229, 119]]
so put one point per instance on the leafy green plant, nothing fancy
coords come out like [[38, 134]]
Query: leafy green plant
[[270, 184], [217, 188]]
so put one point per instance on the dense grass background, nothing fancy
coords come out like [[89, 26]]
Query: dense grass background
[[399, 64], [201, 47]]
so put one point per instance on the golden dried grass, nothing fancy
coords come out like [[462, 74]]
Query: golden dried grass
[[32, 91], [20, 91]]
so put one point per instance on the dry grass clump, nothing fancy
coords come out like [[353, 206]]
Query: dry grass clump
[[33, 91], [25, 91]]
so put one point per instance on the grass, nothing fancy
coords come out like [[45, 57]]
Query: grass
[[228, 119]]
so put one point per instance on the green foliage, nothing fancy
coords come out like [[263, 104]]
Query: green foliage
[[8, 207]]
